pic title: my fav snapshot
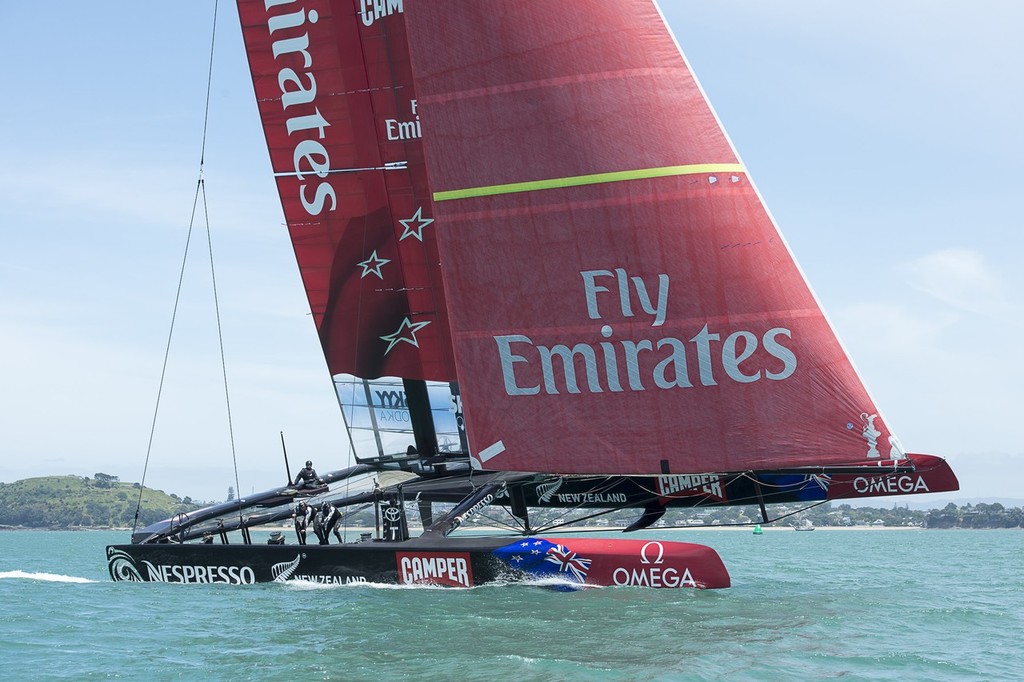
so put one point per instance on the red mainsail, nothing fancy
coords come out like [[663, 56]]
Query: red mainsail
[[620, 299], [340, 114]]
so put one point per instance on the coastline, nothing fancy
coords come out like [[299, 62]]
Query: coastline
[[468, 530]]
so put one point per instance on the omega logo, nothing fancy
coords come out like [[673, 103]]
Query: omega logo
[[660, 558]]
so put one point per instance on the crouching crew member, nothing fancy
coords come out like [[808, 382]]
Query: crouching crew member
[[330, 517]]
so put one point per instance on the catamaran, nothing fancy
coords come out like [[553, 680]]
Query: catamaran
[[542, 279]]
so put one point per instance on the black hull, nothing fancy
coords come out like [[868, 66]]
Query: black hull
[[363, 562]]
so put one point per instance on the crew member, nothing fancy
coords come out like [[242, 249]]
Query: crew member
[[303, 516], [307, 476], [318, 526], [330, 516]]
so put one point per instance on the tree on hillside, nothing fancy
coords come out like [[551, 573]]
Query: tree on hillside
[[105, 480]]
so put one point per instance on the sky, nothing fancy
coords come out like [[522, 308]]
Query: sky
[[884, 136]]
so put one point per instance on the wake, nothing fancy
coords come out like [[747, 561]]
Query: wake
[[44, 577], [551, 583]]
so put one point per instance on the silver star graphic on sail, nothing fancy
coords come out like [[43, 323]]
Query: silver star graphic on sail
[[372, 265], [406, 332], [417, 229]]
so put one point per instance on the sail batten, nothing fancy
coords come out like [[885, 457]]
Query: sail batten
[[591, 179], [328, 171]]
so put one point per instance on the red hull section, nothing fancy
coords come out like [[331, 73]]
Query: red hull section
[[931, 475], [650, 563]]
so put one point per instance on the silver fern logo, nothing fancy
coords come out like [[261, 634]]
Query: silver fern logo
[[545, 491], [283, 571]]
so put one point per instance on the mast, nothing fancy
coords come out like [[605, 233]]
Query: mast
[[418, 401]]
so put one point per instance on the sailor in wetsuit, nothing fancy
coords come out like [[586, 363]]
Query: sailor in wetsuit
[[303, 516], [308, 477], [330, 517]]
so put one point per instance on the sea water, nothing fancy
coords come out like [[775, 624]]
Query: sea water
[[871, 605]]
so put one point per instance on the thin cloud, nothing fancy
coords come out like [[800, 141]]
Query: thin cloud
[[961, 279]]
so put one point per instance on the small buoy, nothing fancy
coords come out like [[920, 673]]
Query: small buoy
[[757, 529]]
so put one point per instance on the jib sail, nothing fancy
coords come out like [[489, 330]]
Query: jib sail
[[341, 118]]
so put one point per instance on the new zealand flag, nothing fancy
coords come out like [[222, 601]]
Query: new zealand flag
[[806, 488], [543, 559]]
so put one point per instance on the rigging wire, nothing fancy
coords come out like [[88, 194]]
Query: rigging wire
[[200, 191], [220, 341], [213, 270], [209, 88], [167, 352]]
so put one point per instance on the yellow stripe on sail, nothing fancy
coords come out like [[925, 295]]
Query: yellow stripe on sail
[[593, 179]]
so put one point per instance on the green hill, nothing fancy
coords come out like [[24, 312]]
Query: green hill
[[74, 501]]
